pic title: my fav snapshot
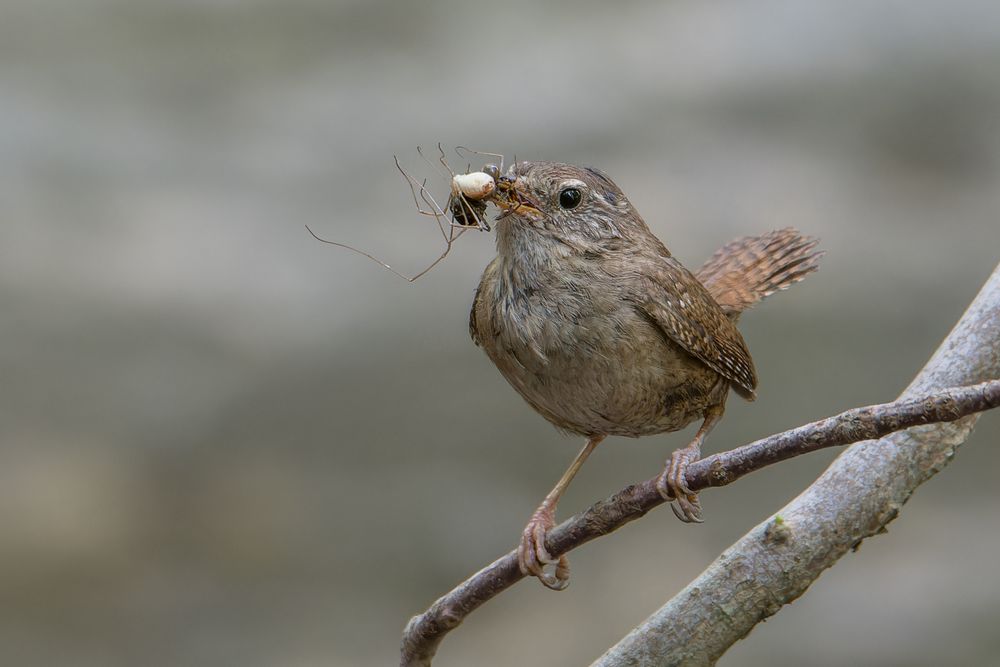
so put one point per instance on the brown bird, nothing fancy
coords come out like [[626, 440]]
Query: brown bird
[[596, 325]]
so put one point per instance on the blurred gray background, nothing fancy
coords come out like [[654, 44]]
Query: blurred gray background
[[224, 443]]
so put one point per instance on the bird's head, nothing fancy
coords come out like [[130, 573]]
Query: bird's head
[[576, 205]]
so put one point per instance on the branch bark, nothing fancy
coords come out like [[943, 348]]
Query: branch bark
[[970, 354], [861, 492]]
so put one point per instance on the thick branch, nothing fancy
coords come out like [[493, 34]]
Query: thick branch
[[424, 632], [861, 492]]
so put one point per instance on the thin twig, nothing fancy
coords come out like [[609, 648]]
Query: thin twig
[[424, 632]]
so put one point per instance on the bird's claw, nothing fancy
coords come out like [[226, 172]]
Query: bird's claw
[[672, 485], [532, 556]]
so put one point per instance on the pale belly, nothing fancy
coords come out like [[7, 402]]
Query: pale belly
[[611, 372]]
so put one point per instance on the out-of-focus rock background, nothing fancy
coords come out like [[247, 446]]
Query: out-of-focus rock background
[[224, 443]]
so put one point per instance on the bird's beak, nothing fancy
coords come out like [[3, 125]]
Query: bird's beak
[[512, 199]]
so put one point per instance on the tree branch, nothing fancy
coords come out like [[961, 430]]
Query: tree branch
[[424, 633]]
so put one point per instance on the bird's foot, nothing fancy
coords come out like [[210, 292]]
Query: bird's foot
[[532, 556], [672, 484]]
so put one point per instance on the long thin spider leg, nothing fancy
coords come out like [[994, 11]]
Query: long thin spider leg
[[447, 249], [456, 231], [414, 185], [468, 165], [469, 208], [449, 241], [443, 161], [409, 181], [448, 173], [458, 150], [436, 261], [429, 200], [365, 254]]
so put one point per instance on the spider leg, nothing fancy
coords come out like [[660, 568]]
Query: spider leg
[[449, 174], [469, 209], [443, 161], [460, 149], [422, 187]]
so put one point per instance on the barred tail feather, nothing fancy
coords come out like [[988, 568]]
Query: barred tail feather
[[748, 269]]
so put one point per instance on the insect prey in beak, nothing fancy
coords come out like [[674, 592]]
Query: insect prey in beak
[[464, 209]]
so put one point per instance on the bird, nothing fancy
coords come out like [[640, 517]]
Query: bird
[[603, 332]]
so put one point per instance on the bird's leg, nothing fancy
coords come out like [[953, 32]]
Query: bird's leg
[[532, 556], [672, 484]]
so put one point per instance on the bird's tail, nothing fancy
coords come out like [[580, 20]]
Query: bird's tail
[[743, 272]]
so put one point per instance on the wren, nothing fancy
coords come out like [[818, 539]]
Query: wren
[[603, 332]]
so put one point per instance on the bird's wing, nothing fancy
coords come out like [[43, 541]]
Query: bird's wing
[[673, 299], [474, 324]]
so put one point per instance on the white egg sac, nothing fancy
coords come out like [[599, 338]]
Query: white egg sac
[[475, 185]]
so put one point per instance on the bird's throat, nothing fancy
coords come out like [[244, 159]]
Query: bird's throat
[[528, 254]]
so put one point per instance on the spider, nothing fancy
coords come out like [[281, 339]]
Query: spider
[[466, 205]]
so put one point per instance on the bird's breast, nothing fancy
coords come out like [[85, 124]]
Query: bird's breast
[[584, 357]]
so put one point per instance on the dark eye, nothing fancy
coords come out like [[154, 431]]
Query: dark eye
[[492, 170], [570, 198]]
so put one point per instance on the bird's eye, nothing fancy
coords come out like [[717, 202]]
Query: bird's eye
[[570, 198]]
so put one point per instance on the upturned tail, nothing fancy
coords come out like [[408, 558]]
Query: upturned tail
[[743, 272]]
